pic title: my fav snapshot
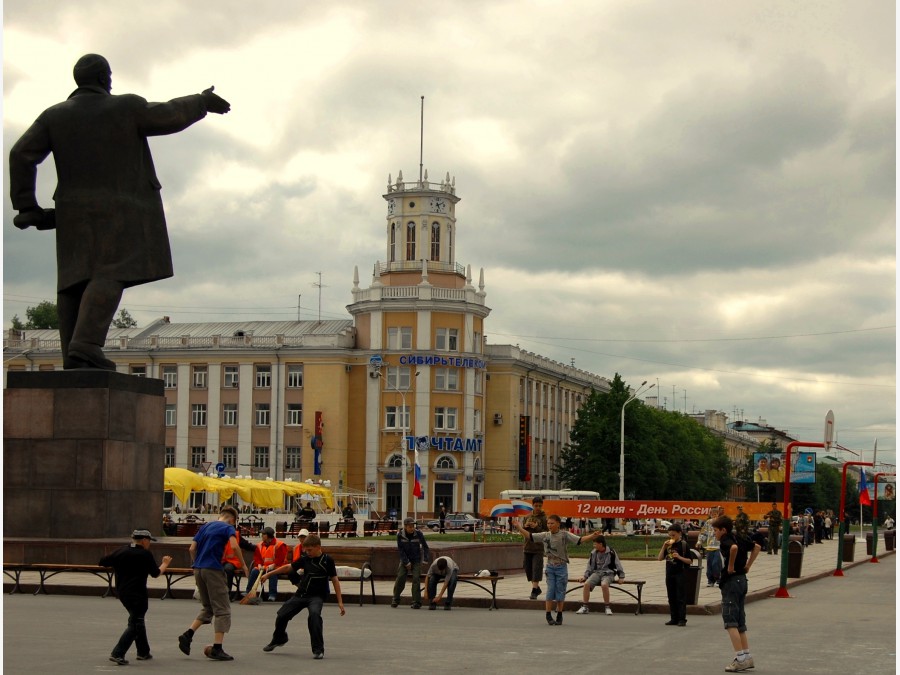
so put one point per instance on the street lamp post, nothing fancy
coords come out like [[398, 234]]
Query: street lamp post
[[637, 393]]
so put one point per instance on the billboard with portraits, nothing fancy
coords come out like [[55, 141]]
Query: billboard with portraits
[[768, 467]]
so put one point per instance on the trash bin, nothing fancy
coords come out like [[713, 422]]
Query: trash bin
[[324, 526], [795, 559], [692, 577], [868, 543], [889, 540], [847, 548], [280, 528]]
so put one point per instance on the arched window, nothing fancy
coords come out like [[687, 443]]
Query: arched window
[[395, 461], [445, 462], [435, 241], [410, 241], [393, 242]]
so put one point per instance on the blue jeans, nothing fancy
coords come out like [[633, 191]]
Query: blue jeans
[[451, 587], [557, 578], [273, 584]]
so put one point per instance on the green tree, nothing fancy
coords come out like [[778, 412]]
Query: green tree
[[668, 455], [42, 315], [17, 323], [124, 319]]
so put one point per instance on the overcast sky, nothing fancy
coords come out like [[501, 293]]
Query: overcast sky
[[696, 193]]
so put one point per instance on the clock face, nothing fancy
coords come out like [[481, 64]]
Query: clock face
[[438, 205]]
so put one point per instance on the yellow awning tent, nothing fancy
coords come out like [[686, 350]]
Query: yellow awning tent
[[267, 494]]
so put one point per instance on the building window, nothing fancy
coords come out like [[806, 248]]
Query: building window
[[170, 376], [229, 415], [445, 462], [198, 456], [171, 415], [295, 377], [198, 377], [477, 421], [410, 241], [477, 345], [400, 337], [446, 379], [447, 339], [398, 377], [396, 417], [262, 414], [292, 457], [445, 418], [396, 461], [263, 377], [231, 376], [138, 371], [479, 382], [229, 457], [294, 415], [198, 415], [261, 457], [393, 242], [170, 455], [435, 241]]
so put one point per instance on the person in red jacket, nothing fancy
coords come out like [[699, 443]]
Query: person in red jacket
[[298, 549], [268, 555]]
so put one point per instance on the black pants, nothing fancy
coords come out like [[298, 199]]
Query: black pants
[[675, 588], [136, 632], [292, 608]]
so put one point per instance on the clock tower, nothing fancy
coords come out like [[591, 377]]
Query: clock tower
[[421, 323]]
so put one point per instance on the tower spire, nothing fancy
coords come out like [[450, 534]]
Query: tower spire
[[421, 136]]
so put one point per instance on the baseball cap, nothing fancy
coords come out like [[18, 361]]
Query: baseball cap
[[303, 533], [142, 534], [409, 521], [269, 531]]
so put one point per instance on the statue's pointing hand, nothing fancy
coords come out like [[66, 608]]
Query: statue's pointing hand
[[214, 102]]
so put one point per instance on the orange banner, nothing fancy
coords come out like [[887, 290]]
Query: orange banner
[[633, 509]]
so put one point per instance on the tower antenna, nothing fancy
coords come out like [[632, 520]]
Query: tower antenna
[[421, 135]]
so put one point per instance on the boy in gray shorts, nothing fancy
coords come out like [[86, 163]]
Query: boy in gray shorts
[[603, 568]]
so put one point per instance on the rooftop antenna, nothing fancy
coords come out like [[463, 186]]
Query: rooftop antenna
[[421, 135], [298, 305], [320, 286]]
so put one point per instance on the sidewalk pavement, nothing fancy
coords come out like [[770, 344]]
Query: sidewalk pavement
[[841, 625], [819, 560]]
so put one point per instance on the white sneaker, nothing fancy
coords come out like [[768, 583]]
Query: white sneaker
[[583, 610], [739, 666], [608, 611]]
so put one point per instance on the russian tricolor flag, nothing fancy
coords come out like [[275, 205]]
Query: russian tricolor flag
[[864, 497], [417, 487]]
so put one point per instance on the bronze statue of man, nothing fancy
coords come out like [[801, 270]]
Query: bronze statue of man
[[109, 221]]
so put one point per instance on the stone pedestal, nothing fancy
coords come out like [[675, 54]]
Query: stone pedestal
[[83, 455]]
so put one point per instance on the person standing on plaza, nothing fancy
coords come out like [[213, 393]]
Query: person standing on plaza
[[413, 552], [603, 568], [442, 569], [742, 523], [774, 519], [268, 554], [555, 542], [442, 516], [677, 556], [534, 551], [315, 569], [206, 558], [708, 543], [133, 564], [739, 554]]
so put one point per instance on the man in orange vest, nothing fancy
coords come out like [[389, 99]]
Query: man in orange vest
[[231, 561], [268, 555]]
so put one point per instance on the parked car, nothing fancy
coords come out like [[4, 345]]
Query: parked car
[[456, 521]]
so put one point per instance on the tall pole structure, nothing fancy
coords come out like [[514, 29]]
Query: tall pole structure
[[637, 393]]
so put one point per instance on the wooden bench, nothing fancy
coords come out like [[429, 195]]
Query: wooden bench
[[344, 528], [47, 570], [382, 527], [620, 586], [474, 580]]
